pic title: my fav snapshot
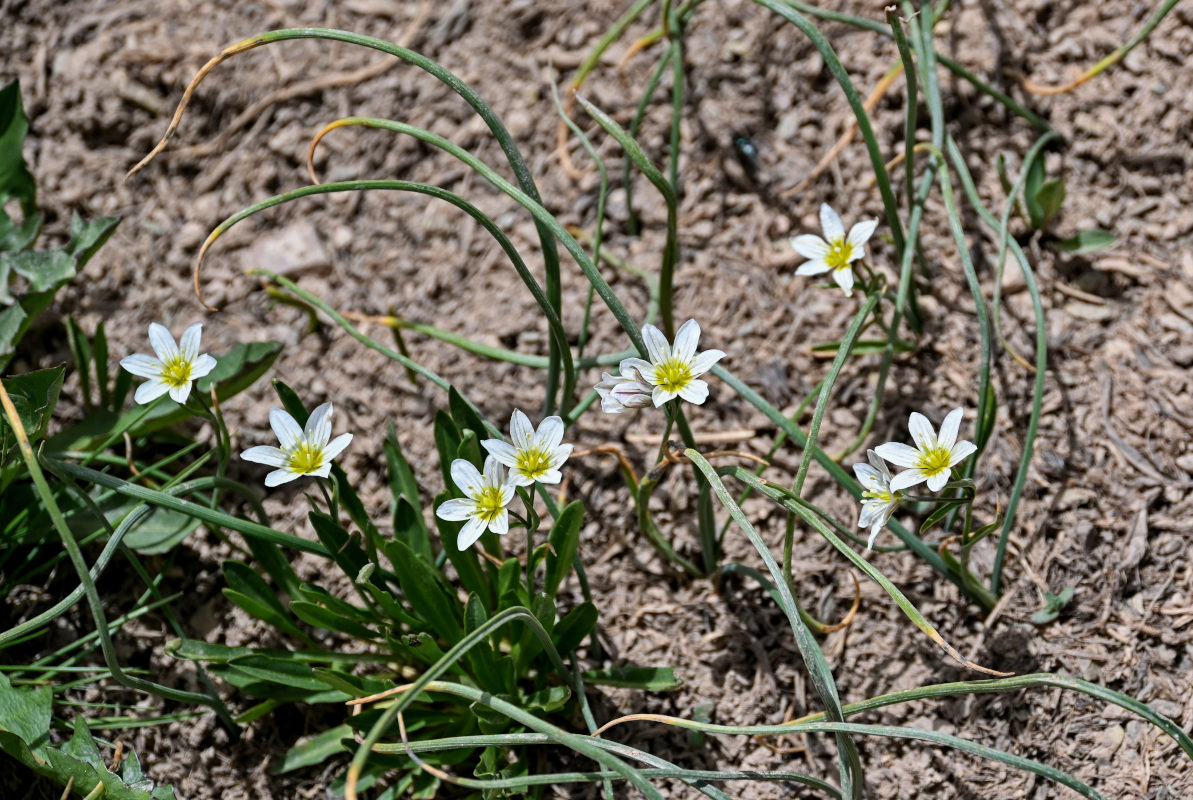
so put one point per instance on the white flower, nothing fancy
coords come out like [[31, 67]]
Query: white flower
[[835, 251], [303, 452], [933, 456], [531, 456], [675, 371], [878, 501], [626, 390], [485, 504], [174, 369]]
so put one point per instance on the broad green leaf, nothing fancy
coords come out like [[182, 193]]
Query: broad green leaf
[[26, 713], [486, 672], [319, 617], [249, 590], [345, 549], [565, 541], [15, 178], [447, 441], [424, 592], [550, 699], [34, 395], [291, 402], [654, 679], [314, 749], [1087, 241], [283, 672], [464, 415], [161, 531], [572, 629], [1051, 196]]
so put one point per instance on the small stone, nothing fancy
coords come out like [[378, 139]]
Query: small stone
[[1089, 311], [294, 249]]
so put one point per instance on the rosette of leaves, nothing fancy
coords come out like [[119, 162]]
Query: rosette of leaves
[[412, 598]]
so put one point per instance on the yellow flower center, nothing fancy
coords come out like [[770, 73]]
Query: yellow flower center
[[883, 496], [533, 462], [673, 375], [488, 504], [934, 461], [176, 372], [306, 458], [838, 254]]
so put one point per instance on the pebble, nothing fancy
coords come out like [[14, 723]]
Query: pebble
[[294, 249]]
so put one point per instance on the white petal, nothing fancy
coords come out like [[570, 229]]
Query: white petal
[[560, 454], [519, 478], [521, 430], [471, 531], [202, 366], [856, 254], [264, 454], [318, 429], [686, 339], [189, 343], [610, 405], [830, 221], [322, 472], [961, 451], [179, 393], [503, 451], [142, 365], [898, 453], [661, 395], [844, 279], [817, 267], [494, 473], [280, 476], [866, 518], [336, 446], [704, 362], [810, 246], [466, 478], [550, 433], [937, 481], [507, 493], [149, 391], [861, 232], [949, 428], [695, 392], [878, 464], [921, 431], [865, 474], [632, 368], [285, 428], [905, 479], [500, 524], [551, 477], [162, 341], [656, 344], [879, 524], [456, 510]]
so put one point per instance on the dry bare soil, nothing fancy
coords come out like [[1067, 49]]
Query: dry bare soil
[[1107, 508]]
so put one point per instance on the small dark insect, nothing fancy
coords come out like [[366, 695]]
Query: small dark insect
[[747, 155], [413, 641]]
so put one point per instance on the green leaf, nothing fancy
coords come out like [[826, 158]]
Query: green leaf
[[87, 237], [249, 590], [344, 549], [319, 617], [314, 749], [282, 672], [425, 593], [1087, 241], [572, 629], [464, 415], [26, 713], [292, 404], [34, 395], [447, 441], [161, 531], [1031, 193], [1050, 196], [1053, 605], [865, 347], [485, 670], [565, 541], [553, 698], [15, 178], [653, 679]]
